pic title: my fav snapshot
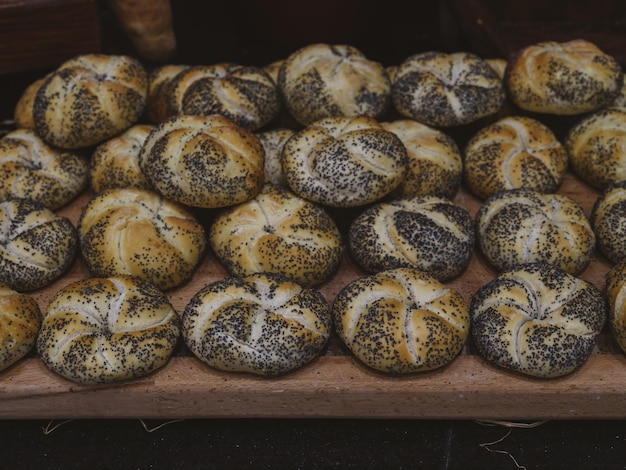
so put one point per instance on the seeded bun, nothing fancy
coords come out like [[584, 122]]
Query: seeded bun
[[273, 141], [278, 232], [139, 233], [102, 330], [401, 321], [90, 99], [521, 226], [563, 78], [321, 80], [37, 246], [23, 114], [499, 65], [445, 90], [344, 161], [608, 219], [21, 320], [616, 293], [514, 152], [429, 232], [158, 106], [262, 324], [32, 169], [537, 319]]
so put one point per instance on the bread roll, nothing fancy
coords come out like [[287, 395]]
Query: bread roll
[[401, 321], [616, 293], [158, 105], [244, 94], [521, 226], [563, 78], [597, 147], [537, 320], [278, 232], [20, 320], [273, 68], [37, 246], [273, 141], [608, 219], [499, 65], [89, 99], [445, 90], [261, 324], [23, 114], [435, 161], [139, 233], [344, 161], [322, 80], [34, 170], [115, 163], [203, 161], [103, 330], [514, 152], [429, 232]]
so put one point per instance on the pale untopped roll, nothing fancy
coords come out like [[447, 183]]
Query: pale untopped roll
[[608, 219], [616, 294]]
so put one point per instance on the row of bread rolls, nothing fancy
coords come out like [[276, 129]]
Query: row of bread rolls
[[345, 158]]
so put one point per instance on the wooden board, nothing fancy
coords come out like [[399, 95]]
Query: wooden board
[[335, 384]]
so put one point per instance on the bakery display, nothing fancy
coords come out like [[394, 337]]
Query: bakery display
[[608, 220], [514, 152], [139, 233], [37, 246], [278, 232], [262, 324], [401, 321], [104, 330], [563, 78], [446, 89], [537, 319], [429, 233], [616, 294], [520, 226]]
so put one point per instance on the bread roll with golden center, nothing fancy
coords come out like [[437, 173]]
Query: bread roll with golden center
[[537, 319], [23, 113], [139, 233], [263, 324], [34, 170], [158, 106], [521, 226], [597, 147], [89, 99], [514, 152], [273, 141], [37, 246], [103, 330], [563, 78], [616, 294], [278, 232], [115, 163], [244, 94], [323, 80], [20, 320], [608, 219], [445, 90], [203, 161], [344, 161], [401, 321], [435, 161], [430, 233]]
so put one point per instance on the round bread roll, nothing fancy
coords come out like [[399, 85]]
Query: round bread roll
[[34, 170], [435, 161], [89, 99], [273, 69], [616, 294], [521, 226], [263, 324], [537, 319], [514, 152], [273, 141], [344, 161], [445, 90], [203, 161], [158, 106], [428, 232], [597, 147], [37, 246], [321, 80], [103, 330], [278, 232], [139, 233], [23, 114], [608, 219], [401, 321], [115, 163], [20, 320], [563, 78], [244, 94]]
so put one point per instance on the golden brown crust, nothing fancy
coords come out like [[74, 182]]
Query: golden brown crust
[[608, 219], [616, 293], [158, 107], [23, 114]]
